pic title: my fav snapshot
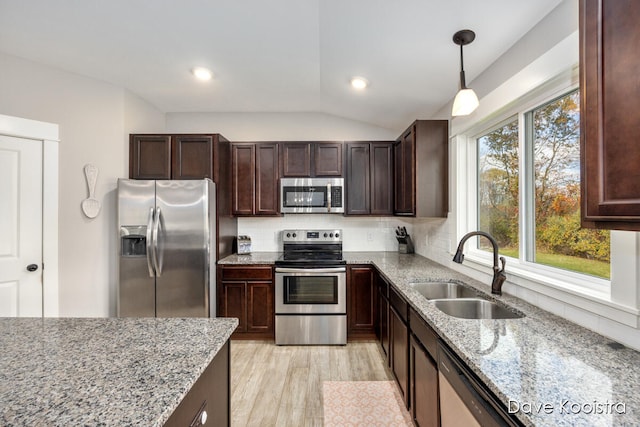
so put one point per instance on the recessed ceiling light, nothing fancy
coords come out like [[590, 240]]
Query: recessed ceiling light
[[359, 83], [202, 73]]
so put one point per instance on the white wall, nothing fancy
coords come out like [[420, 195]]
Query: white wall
[[91, 116]]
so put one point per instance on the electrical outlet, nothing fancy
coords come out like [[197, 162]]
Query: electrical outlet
[[369, 236]]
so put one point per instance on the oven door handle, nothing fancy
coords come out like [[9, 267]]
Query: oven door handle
[[311, 270]]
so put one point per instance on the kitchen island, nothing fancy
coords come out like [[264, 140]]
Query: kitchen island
[[544, 369], [108, 371]]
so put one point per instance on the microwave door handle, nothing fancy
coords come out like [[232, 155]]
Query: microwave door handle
[[328, 197], [150, 224]]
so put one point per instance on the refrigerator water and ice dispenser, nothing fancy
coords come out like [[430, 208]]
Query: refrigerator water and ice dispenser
[[133, 241]]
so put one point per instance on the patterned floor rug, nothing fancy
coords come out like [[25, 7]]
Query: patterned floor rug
[[363, 403]]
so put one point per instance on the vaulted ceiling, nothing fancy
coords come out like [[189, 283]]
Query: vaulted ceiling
[[272, 55]]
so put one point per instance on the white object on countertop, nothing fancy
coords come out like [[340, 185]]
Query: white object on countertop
[[91, 205], [244, 245]]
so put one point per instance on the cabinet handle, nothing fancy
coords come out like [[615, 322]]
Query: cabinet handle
[[201, 416]]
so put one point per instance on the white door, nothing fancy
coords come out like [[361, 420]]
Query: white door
[[20, 227]]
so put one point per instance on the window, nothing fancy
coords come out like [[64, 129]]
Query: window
[[538, 220], [498, 194]]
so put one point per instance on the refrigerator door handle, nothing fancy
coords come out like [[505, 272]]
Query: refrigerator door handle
[[158, 247], [149, 245]]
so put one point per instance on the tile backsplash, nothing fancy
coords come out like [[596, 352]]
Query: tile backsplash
[[359, 233]]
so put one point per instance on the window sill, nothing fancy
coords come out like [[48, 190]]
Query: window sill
[[554, 294]]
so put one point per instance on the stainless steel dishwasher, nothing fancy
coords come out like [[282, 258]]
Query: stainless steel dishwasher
[[464, 401]]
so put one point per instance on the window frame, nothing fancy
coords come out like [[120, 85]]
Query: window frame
[[468, 213]]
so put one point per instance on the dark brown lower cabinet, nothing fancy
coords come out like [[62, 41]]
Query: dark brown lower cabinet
[[246, 292], [399, 343], [424, 386], [382, 324], [361, 304], [210, 394]]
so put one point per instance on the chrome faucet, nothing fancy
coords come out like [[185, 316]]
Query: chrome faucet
[[498, 273]]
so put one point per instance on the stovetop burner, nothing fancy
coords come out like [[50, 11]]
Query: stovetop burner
[[311, 248]]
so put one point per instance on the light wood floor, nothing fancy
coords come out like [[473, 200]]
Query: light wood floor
[[282, 385]]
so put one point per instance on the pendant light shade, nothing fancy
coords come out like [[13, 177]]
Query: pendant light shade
[[466, 100], [465, 103]]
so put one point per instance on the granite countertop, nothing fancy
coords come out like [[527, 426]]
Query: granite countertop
[[109, 372], [554, 372]]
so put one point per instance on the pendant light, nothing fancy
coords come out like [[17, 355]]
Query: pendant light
[[466, 100]]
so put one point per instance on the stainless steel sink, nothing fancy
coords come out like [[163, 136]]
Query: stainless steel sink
[[440, 290], [475, 308]]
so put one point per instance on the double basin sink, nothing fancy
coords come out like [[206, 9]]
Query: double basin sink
[[461, 301]]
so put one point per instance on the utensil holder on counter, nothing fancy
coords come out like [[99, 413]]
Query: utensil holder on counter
[[405, 244]]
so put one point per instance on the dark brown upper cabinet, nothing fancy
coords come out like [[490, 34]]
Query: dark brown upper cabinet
[[150, 156], [311, 159], [421, 170], [185, 156], [254, 180], [610, 114], [369, 178]]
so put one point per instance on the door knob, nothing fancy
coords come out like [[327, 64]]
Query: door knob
[[32, 267]]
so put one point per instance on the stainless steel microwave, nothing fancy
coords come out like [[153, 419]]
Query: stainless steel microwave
[[312, 195]]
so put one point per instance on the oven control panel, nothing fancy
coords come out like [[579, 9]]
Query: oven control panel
[[312, 236]]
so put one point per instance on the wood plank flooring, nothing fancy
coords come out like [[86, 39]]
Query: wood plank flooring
[[282, 385]]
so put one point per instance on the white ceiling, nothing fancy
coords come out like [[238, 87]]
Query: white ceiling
[[273, 55]]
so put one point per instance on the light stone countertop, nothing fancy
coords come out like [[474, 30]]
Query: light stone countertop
[[102, 372], [584, 378]]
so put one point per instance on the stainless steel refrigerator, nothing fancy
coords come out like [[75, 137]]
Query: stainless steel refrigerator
[[167, 248]]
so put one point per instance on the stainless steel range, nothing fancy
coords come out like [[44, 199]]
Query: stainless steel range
[[311, 288]]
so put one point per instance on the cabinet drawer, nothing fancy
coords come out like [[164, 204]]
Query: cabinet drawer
[[247, 273], [424, 333], [398, 303]]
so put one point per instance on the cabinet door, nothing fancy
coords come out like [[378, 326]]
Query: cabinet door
[[150, 157], [610, 113], [399, 348], [260, 305], [404, 174], [192, 157], [296, 159], [358, 179], [361, 309], [424, 386], [430, 197], [234, 303], [381, 167], [382, 328], [328, 159], [266, 202], [243, 178]]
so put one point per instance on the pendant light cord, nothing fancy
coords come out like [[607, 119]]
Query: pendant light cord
[[463, 83]]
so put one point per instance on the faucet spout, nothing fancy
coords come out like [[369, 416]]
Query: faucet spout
[[498, 273]]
